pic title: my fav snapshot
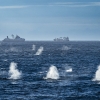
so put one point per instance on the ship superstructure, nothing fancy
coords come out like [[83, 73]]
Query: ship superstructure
[[13, 39]]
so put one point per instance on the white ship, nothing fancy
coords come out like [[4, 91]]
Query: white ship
[[62, 39], [16, 39]]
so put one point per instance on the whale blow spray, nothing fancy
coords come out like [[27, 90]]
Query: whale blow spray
[[97, 74], [40, 50], [52, 73], [33, 47], [14, 73]]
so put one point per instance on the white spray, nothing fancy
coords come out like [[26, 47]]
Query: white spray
[[40, 50], [65, 47], [69, 70], [33, 47], [97, 74], [52, 73], [13, 49], [13, 71]]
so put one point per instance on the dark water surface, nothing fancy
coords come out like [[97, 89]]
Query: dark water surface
[[82, 57]]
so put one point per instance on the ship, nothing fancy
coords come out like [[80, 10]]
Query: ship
[[62, 39], [16, 39]]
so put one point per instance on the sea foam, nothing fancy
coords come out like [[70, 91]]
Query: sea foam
[[14, 73]]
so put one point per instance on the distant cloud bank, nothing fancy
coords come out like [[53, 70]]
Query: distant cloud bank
[[12, 7], [69, 4], [77, 4]]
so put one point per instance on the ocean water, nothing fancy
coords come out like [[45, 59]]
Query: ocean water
[[59, 71]]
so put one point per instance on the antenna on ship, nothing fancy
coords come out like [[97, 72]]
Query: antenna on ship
[[12, 36]]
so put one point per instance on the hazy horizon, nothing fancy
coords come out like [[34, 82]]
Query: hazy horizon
[[37, 20]]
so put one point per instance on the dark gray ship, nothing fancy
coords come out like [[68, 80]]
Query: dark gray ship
[[15, 40], [62, 39]]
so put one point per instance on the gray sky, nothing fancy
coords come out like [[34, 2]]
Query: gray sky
[[48, 19]]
